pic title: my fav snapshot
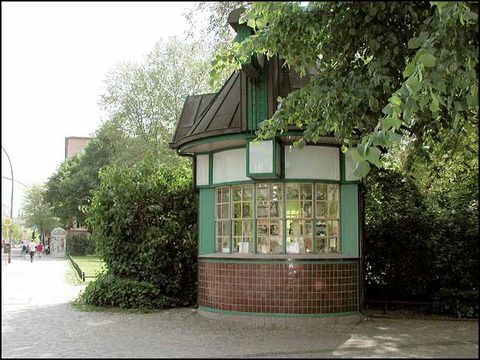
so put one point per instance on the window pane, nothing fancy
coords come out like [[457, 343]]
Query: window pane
[[262, 227], [307, 210], [225, 228], [321, 209], [247, 210], [237, 210], [225, 195], [224, 211], [332, 210], [275, 228], [306, 191], [293, 209], [263, 247], [202, 169], [225, 247], [275, 209], [332, 192], [262, 209], [261, 156], [269, 235], [237, 228], [248, 193], [263, 192], [277, 192], [292, 191], [236, 193], [242, 245], [321, 192], [300, 236]]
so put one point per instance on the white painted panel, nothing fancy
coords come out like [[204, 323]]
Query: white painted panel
[[261, 157], [312, 162], [229, 165], [202, 170], [349, 167]]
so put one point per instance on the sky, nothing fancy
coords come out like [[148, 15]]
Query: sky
[[55, 58]]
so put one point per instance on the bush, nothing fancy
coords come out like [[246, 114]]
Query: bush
[[80, 245], [143, 219], [111, 290], [422, 246]]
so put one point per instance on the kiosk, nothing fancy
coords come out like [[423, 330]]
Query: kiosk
[[278, 225]]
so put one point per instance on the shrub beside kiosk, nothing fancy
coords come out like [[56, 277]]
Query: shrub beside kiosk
[[278, 226]]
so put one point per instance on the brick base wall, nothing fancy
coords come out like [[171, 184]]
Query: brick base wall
[[306, 287]]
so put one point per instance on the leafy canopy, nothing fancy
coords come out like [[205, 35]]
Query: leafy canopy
[[380, 72], [36, 212]]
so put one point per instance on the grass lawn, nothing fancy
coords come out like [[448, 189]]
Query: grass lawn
[[90, 265]]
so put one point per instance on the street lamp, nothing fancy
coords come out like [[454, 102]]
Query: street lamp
[[11, 209]]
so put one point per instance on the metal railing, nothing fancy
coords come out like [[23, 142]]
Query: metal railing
[[80, 272]]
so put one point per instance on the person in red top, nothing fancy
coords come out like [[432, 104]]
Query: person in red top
[[39, 249]]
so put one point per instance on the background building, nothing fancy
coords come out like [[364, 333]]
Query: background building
[[74, 145]]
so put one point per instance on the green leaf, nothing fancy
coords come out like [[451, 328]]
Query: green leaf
[[373, 155], [456, 121], [362, 149], [251, 23], [395, 100], [387, 110], [355, 155], [409, 69], [394, 137], [414, 85], [391, 121], [472, 101], [434, 105], [428, 60], [362, 169], [414, 43]]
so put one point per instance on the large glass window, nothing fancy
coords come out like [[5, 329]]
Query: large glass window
[[310, 213], [327, 218]]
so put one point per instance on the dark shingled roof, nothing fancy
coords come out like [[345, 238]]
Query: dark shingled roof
[[210, 114]]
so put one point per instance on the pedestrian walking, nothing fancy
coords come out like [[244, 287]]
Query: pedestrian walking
[[39, 249], [31, 249], [24, 248]]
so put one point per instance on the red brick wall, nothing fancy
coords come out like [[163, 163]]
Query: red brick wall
[[288, 288]]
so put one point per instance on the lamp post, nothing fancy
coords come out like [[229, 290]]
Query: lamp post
[[11, 209]]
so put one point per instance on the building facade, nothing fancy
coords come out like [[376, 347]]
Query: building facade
[[74, 145]]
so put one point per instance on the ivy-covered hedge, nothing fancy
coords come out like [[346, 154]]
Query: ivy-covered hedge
[[420, 246], [81, 244], [144, 221]]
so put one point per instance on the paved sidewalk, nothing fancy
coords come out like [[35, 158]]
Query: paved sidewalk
[[35, 305]]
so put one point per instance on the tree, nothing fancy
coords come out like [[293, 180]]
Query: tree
[[69, 189], [36, 212], [211, 31], [144, 223], [379, 72], [147, 99], [143, 103]]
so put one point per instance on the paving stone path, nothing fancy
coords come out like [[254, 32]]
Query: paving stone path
[[39, 322]]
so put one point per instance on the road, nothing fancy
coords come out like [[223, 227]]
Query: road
[[38, 321]]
